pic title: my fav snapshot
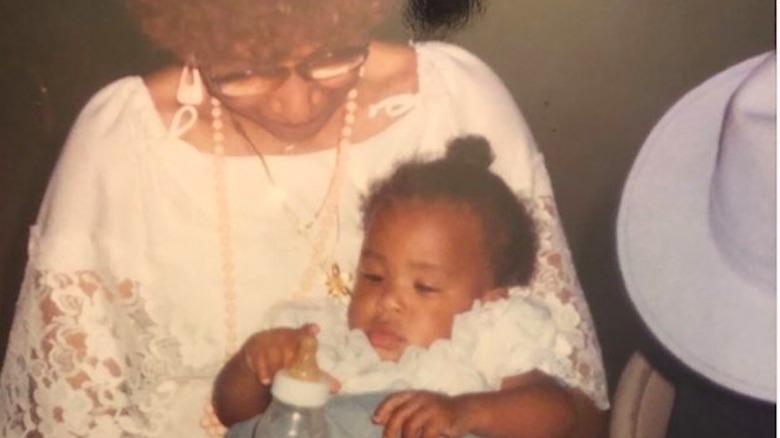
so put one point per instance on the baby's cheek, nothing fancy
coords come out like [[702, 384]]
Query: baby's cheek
[[438, 327], [357, 313]]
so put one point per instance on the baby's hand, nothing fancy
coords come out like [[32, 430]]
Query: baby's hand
[[420, 414], [269, 351]]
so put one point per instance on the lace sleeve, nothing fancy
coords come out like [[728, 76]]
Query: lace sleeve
[[66, 373], [555, 282]]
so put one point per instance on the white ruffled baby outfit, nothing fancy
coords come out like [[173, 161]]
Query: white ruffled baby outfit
[[492, 341]]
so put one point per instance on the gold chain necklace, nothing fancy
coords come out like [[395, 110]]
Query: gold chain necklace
[[326, 218], [336, 281]]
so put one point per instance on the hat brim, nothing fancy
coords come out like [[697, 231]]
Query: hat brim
[[710, 317]]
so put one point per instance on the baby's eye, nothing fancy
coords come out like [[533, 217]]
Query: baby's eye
[[372, 277], [424, 288]]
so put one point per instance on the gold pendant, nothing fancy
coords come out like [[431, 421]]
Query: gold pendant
[[338, 283]]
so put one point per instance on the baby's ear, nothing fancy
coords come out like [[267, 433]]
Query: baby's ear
[[497, 293]]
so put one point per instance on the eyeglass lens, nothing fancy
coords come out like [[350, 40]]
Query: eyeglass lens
[[332, 69]]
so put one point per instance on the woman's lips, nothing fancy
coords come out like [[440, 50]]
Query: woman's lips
[[384, 339]]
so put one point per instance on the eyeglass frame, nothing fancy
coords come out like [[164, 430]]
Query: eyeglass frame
[[300, 68]]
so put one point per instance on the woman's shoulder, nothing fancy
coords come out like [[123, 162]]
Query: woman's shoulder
[[115, 97], [449, 53], [107, 135], [97, 167], [119, 107], [458, 84], [426, 66], [390, 71], [464, 81], [457, 69]]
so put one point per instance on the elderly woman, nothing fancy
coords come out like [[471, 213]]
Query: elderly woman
[[188, 202]]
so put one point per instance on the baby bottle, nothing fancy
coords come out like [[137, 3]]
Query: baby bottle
[[299, 394]]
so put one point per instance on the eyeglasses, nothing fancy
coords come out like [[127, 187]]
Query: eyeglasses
[[332, 69]]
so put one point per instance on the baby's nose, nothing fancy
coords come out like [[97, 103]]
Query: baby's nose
[[391, 301]]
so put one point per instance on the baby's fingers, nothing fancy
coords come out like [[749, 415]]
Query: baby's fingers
[[267, 352], [310, 329], [385, 409], [271, 361], [396, 414], [264, 370], [417, 424]]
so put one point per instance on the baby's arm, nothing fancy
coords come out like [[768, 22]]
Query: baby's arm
[[530, 405], [242, 388]]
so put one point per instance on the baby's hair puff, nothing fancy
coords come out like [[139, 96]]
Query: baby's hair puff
[[463, 176]]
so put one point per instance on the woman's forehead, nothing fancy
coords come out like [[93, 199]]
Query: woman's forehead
[[243, 59]]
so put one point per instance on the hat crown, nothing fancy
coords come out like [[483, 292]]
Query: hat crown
[[696, 229], [743, 192]]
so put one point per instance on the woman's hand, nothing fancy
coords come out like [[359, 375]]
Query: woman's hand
[[421, 414], [267, 352]]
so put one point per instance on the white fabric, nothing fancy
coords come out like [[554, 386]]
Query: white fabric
[[120, 324], [476, 358]]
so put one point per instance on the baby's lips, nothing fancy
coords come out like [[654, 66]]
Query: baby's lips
[[384, 339]]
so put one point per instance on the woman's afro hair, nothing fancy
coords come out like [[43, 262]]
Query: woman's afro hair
[[264, 31]]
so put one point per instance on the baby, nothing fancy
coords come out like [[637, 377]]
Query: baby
[[429, 315]]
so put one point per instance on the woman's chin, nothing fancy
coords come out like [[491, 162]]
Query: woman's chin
[[295, 133]]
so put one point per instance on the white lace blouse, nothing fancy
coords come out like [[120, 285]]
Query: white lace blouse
[[123, 319]]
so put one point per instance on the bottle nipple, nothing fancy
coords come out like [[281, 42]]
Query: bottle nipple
[[304, 365], [302, 383]]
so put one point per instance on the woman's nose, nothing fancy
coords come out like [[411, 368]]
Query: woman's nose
[[296, 101]]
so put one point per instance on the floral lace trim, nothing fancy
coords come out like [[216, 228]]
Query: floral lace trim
[[85, 359], [555, 282]]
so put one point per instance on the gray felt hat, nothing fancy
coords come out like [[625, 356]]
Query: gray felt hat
[[697, 229]]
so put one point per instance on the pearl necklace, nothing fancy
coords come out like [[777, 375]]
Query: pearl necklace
[[209, 421], [327, 215]]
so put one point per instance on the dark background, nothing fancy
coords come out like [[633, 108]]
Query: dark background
[[592, 78]]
